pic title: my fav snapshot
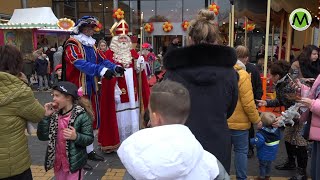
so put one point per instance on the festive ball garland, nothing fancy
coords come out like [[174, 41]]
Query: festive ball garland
[[185, 24], [250, 26], [167, 26], [118, 14], [214, 7], [148, 27]]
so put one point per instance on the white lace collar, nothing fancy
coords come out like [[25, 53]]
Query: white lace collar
[[85, 40]]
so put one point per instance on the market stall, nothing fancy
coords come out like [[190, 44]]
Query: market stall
[[31, 28]]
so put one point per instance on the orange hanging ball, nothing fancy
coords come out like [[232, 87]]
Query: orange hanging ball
[[167, 26], [185, 25], [118, 14], [149, 27], [214, 7]]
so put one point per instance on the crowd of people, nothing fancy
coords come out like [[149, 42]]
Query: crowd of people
[[204, 108]]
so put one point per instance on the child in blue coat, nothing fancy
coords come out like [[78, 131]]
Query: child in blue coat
[[267, 142]]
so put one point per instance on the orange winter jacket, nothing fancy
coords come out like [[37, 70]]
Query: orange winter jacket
[[246, 111]]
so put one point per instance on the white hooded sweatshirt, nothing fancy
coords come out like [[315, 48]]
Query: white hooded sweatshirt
[[169, 152]]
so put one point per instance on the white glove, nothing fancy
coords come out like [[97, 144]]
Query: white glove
[[140, 64]]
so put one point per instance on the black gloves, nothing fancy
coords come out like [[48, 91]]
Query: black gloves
[[108, 75], [120, 70]]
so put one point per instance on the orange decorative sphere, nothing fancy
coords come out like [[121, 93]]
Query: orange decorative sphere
[[118, 14]]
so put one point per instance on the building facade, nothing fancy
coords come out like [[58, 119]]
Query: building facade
[[155, 11]]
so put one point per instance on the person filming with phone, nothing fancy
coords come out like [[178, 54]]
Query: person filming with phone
[[296, 145]]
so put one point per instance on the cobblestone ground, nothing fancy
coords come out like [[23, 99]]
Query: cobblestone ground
[[112, 168]]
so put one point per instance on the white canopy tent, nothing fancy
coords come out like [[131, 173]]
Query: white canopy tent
[[32, 18]]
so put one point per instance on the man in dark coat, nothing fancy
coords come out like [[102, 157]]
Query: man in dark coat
[[174, 44], [257, 93], [206, 70], [255, 80]]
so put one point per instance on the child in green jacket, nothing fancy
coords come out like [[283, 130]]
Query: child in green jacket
[[68, 128]]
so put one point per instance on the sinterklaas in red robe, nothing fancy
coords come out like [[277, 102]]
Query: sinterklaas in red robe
[[120, 115]]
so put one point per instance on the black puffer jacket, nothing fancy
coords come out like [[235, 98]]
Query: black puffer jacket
[[77, 154], [207, 72], [41, 67]]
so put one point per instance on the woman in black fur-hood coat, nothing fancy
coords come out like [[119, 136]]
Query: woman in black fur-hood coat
[[206, 70]]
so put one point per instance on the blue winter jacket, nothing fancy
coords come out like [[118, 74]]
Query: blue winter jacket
[[41, 67], [267, 142]]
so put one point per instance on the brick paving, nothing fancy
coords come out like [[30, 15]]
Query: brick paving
[[112, 168]]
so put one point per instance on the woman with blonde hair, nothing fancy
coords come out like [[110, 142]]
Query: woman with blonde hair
[[103, 46], [205, 68]]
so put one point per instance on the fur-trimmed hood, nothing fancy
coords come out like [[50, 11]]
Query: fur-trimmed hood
[[200, 55]]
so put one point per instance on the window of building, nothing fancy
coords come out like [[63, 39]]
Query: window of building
[[170, 10]]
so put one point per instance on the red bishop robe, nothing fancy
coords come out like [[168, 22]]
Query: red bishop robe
[[108, 136]]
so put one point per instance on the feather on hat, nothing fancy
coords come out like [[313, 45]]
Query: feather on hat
[[85, 21]]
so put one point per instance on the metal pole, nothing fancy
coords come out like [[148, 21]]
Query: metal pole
[[264, 78], [76, 10], [103, 20], [281, 35], [267, 40], [57, 7], [318, 36], [272, 41], [24, 3], [139, 10], [232, 25], [288, 42], [245, 31], [312, 34], [182, 10], [141, 108], [229, 44], [89, 5], [115, 6], [305, 37], [130, 17]]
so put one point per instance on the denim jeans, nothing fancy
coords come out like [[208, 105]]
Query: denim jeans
[[265, 168], [239, 139], [40, 81]]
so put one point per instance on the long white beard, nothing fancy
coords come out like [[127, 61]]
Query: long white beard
[[121, 52]]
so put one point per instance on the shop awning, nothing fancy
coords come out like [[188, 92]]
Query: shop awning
[[31, 18], [256, 10], [290, 5]]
